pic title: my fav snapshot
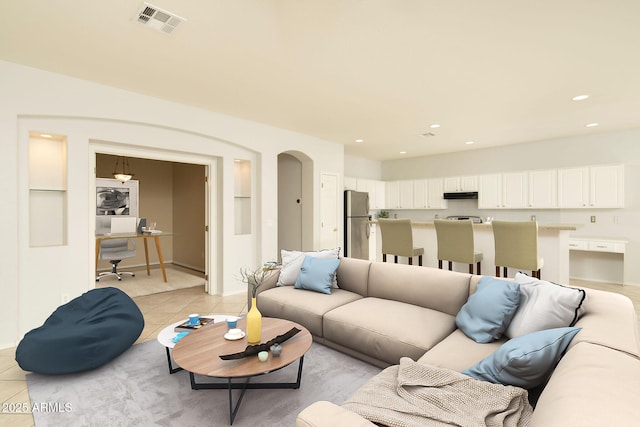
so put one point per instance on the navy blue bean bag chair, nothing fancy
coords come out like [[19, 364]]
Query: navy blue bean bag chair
[[83, 334]]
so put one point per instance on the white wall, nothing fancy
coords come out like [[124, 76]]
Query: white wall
[[622, 147], [105, 119], [362, 168]]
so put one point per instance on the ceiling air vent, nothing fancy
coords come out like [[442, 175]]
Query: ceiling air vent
[[157, 19]]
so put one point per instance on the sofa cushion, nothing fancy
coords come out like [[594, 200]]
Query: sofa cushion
[[302, 306], [526, 361], [292, 261], [317, 274], [591, 386], [544, 305], [489, 310], [426, 287], [387, 330], [459, 352]]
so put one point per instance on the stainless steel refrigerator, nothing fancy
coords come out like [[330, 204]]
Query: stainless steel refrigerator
[[356, 224]]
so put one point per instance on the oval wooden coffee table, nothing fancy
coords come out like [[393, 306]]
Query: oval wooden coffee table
[[199, 351]]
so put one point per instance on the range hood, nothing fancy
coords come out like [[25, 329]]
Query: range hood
[[461, 195]]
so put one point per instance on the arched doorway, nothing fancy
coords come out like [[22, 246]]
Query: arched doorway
[[295, 201]]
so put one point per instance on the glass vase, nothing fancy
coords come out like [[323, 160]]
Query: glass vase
[[254, 323]]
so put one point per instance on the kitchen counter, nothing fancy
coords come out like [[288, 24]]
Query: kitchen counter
[[553, 247], [485, 225]]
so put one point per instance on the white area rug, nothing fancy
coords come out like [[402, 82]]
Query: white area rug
[[136, 389]]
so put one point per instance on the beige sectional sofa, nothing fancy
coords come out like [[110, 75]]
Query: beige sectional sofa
[[383, 311]]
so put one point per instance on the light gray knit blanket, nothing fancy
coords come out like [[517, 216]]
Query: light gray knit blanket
[[413, 394]]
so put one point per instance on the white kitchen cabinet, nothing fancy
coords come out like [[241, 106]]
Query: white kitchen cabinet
[[399, 194], [420, 194], [375, 189], [606, 186], [502, 191], [514, 190], [376, 192], [543, 189], [453, 184], [392, 195], [428, 194], [373, 247], [599, 186], [406, 194], [573, 187], [362, 184], [350, 183], [435, 190], [379, 189], [490, 191]]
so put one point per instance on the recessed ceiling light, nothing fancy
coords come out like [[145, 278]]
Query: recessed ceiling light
[[434, 126], [359, 140], [470, 142], [592, 125], [46, 135], [580, 97], [403, 152]]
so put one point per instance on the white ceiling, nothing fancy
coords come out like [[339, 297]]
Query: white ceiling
[[491, 71]]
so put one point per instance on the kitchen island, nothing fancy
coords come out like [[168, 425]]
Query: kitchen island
[[553, 247]]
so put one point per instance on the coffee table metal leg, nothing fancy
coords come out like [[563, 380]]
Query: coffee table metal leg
[[229, 385], [172, 370], [234, 411]]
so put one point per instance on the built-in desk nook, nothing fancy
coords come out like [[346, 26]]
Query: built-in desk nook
[[598, 259]]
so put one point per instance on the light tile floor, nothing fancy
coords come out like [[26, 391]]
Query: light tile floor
[[162, 309], [159, 310]]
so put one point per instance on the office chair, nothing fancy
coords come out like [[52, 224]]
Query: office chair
[[455, 243], [115, 250], [397, 240]]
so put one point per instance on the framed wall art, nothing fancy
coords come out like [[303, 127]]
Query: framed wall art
[[114, 198]]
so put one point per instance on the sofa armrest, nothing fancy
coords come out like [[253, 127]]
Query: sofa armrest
[[327, 414]]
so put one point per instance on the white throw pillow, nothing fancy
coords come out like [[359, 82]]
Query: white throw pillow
[[544, 305], [292, 261]]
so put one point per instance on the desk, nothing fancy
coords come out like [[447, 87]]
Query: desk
[[144, 236]]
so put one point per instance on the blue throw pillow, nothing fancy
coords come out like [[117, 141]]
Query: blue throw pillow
[[526, 361], [316, 274], [487, 313]]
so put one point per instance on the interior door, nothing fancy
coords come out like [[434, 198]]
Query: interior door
[[329, 212]]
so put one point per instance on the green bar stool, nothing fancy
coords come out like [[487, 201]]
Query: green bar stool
[[516, 246], [397, 240], [455, 243]]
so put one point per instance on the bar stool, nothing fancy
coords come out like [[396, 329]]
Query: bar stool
[[516, 246], [455, 243], [397, 240]]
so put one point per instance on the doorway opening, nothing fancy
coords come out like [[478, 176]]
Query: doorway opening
[[295, 201], [172, 196]]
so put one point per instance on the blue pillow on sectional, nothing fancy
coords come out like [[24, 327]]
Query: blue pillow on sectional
[[83, 334], [316, 274], [525, 361], [488, 311]]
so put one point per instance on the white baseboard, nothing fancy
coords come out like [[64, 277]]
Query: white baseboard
[[589, 279], [190, 267]]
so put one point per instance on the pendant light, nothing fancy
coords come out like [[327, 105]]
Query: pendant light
[[124, 173]]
